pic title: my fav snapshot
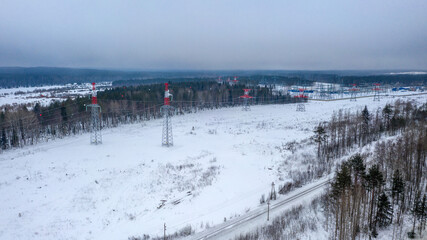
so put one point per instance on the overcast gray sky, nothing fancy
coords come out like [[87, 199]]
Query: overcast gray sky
[[215, 34]]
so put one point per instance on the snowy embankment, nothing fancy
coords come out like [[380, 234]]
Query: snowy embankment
[[222, 161]]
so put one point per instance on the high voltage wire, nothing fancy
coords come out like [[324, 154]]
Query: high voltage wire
[[82, 115], [175, 102], [77, 104]]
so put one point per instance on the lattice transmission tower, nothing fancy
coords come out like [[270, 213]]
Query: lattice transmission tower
[[376, 90], [95, 122], [353, 92], [324, 93], [167, 111], [246, 97], [302, 98]]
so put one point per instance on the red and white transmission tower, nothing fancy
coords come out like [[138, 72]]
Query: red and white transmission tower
[[302, 98], [95, 123], [219, 80], [232, 82], [235, 81], [167, 111], [376, 91], [246, 98], [353, 92]]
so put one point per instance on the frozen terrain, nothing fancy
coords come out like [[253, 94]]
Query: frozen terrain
[[221, 163], [46, 94]]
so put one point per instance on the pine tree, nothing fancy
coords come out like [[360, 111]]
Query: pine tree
[[374, 232], [357, 166], [398, 186], [319, 137], [15, 139], [342, 180], [421, 213], [340, 187], [387, 111], [374, 180], [416, 209], [3, 139], [384, 211], [366, 115]]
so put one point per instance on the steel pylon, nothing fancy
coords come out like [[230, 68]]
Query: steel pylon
[[95, 124], [167, 137], [300, 107], [246, 106]]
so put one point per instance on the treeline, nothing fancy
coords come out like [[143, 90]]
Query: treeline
[[398, 79], [22, 126], [149, 81], [366, 197], [347, 130], [247, 80], [40, 76]]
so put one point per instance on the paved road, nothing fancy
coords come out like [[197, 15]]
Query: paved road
[[251, 219]]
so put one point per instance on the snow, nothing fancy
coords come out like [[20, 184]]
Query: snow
[[69, 189], [257, 217], [408, 73], [46, 94]]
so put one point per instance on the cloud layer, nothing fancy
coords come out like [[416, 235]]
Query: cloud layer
[[214, 34]]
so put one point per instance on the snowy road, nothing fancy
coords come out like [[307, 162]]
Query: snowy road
[[242, 224]]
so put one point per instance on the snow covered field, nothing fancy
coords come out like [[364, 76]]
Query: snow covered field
[[46, 94], [221, 163]]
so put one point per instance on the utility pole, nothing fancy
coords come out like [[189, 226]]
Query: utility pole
[[268, 210], [95, 123], [273, 192], [164, 231]]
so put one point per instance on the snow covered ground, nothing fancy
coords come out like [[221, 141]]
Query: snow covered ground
[[46, 94], [221, 163], [336, 92]]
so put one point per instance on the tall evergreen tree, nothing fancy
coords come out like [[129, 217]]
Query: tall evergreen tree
[[3, 139], [387, 112], [384, 211], [397, 186], [421, 213], [374, 180], [358, 167], [366, 115], [319, 137], [342, 180], [416, 209]]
